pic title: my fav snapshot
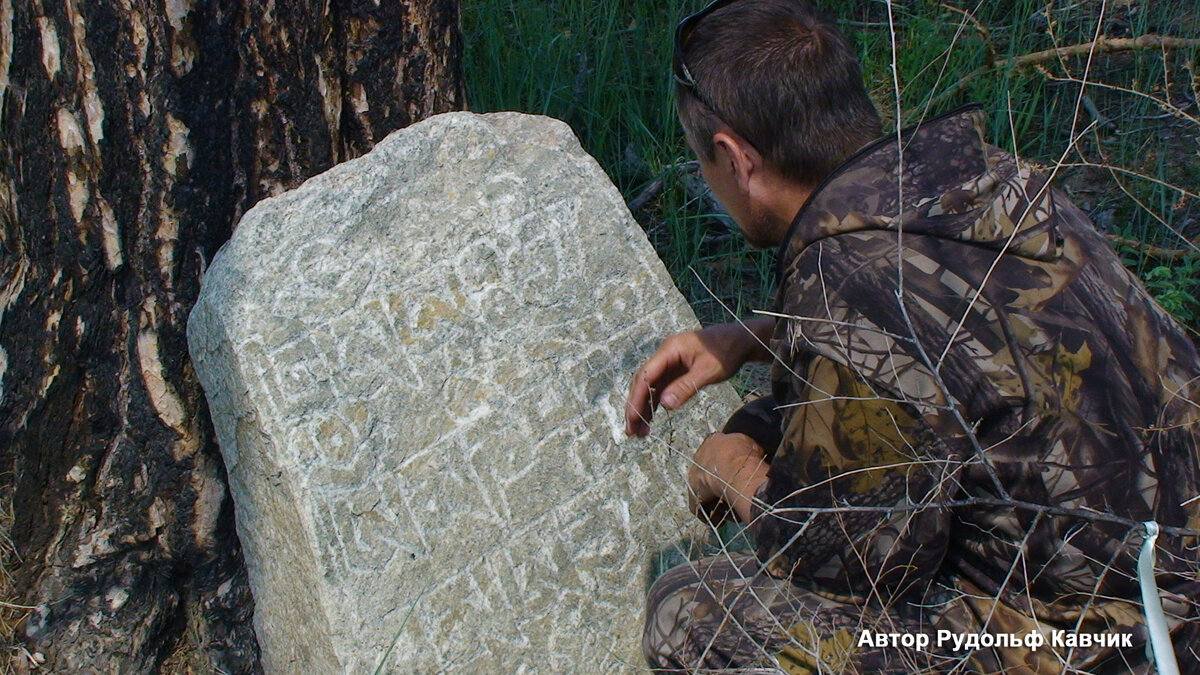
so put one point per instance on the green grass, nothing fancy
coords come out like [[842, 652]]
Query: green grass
[[604, 67]]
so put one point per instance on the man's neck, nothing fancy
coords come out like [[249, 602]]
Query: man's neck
[[782, 202]]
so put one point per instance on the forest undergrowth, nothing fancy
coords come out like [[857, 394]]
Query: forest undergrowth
[[1101, 93]]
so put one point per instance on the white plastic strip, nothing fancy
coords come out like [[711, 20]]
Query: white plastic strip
[[1156, 621]]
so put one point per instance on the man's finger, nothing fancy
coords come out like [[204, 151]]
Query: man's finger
[[640, 403], [638, 415], [679, 392]]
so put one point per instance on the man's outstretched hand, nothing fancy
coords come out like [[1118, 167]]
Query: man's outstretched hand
[[687, 362]]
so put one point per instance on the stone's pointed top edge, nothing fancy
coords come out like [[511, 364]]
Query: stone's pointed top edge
[[524, 119], [499, 124], [503, 133], [495, 118]]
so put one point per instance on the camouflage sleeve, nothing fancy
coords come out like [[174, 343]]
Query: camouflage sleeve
[[870, 446], [847, 486]]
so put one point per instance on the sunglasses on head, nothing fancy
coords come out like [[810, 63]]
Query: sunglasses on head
[[684, 76], [684, 31]]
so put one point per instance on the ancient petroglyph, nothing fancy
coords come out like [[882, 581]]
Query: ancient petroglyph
[[416, 363]]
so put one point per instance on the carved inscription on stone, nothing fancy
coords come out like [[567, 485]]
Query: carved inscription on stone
[[416, 364]]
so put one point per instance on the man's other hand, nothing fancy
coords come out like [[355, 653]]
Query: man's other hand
[[687, 362], [726, 472]]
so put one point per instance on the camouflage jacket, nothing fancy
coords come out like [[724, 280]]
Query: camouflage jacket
[[957, 338]]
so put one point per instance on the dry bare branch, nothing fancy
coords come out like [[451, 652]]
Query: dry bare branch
[[1044, 509], [1102, 45], [989, 45], [1154, 251], [1169, 109], [655, 188]]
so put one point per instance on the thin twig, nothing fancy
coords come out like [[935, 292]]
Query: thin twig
[[655, 188], [944, 59], [1134, 174], [1101, 120], [652, 191], [990, 47], [1169, 109], [1152, 251], [968, 430], [1113, 170], [833, 322], [1102, 45], [1009, 502]]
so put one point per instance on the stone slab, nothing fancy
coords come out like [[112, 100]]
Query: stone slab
[[416, 364]]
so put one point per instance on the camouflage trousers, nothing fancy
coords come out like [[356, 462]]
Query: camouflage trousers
[[723, 614]]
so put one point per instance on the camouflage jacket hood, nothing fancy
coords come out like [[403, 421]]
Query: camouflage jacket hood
[[941, 179]]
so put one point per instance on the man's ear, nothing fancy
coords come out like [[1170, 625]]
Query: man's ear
[[745, 162]]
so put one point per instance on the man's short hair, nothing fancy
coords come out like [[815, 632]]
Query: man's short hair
[[783, 77]]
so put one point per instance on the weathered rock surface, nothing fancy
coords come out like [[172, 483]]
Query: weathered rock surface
[[416, 365]]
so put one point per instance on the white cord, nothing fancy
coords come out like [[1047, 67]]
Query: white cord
[[1156, 621]]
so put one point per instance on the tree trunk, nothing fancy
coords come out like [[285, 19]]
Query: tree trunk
[[133, 135]]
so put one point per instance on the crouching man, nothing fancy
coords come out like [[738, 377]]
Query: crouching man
[[975, 406]]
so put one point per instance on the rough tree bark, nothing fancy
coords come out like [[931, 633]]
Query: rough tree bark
[[133, 135]]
